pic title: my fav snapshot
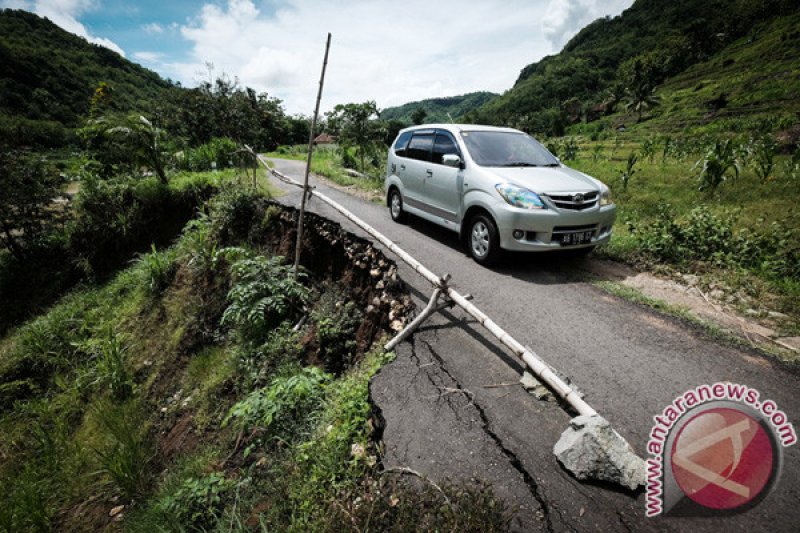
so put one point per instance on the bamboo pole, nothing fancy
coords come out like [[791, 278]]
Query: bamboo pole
[[299, 244]]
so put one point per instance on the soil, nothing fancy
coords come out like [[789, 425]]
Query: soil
[[685, 293]]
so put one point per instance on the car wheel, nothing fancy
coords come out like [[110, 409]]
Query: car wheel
[[483, 241], [396, 206]]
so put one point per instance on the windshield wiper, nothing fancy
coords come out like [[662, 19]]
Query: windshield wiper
[[520, 164]]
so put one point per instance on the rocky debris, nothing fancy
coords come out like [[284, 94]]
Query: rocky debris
[[592, 450], [541, 391], [331, 252], [536, 387], [117, 513]]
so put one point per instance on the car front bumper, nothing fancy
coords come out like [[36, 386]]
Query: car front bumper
[[544, 230]]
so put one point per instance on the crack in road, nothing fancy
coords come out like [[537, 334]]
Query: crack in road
[[530, 482]]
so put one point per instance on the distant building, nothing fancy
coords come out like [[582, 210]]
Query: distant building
[[324, 138]]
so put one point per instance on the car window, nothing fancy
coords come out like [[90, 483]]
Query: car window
[[506, 149], [444, 144], [420, 146], [401, 144]]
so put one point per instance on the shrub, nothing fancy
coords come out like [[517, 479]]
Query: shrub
[[336, 323], [256, 365], [263, 295], [217, 154], [284, 409], [199, 501]]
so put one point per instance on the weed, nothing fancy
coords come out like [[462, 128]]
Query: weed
[[649, 149], [125, 460], [159, 269], [111, 368], [198, 246]]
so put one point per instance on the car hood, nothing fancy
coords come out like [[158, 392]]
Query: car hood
[[544, 180]]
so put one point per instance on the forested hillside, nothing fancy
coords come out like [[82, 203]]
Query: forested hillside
[[620, 62], [48, 76], [436, 109]]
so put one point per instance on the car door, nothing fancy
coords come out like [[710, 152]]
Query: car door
[[442, 185], [415, 167]]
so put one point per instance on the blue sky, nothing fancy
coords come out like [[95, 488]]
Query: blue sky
[[388, 51]]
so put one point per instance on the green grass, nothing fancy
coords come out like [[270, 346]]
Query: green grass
[[328, 163]]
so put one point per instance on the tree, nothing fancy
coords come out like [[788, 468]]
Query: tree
[[29, 187], [418, 116], [357, 126], [144, 142], [640, 76]]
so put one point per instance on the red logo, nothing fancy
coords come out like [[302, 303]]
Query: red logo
[[723, 458]]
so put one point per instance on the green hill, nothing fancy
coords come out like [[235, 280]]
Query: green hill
[[48, 76], [437, 109], [659, 44]]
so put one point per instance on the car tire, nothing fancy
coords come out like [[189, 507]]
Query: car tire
[[483, 240], [396, 206]]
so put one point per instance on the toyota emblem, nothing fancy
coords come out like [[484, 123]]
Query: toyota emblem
[[578, 198]]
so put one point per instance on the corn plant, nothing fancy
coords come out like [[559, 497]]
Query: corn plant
[[719, 164], [764, 157], [649, 149], [597, 151], [570, 149], [630, 170], [668, 149]]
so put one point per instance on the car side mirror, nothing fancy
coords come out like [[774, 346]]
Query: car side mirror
[[452, 160]]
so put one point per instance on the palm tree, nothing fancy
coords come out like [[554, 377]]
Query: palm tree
[[641, 99]]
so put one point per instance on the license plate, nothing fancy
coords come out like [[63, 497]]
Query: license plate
[[581, 237]]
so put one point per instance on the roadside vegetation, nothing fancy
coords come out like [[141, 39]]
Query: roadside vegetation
[[203, 388]]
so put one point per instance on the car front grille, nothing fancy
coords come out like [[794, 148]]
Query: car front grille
[[578, 201]]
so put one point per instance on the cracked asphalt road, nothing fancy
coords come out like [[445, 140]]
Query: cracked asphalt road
[[454, 409]]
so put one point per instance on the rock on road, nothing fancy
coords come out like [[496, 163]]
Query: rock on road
[[454, 410]]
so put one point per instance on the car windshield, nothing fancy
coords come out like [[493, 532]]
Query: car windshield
[[506, 149]]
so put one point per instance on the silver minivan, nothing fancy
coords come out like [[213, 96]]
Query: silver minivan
[[498, 188]]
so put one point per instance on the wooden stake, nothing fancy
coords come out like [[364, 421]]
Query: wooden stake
[[299, 244]]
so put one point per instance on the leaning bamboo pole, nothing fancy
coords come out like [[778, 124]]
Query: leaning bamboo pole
[[299, 246]]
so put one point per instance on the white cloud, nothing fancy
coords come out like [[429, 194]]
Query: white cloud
[[384, 51], [149, 57], [564, 18], [154, 28], [65, 13]]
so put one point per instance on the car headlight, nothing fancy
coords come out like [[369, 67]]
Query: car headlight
[[605, 197], [519, 197]]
